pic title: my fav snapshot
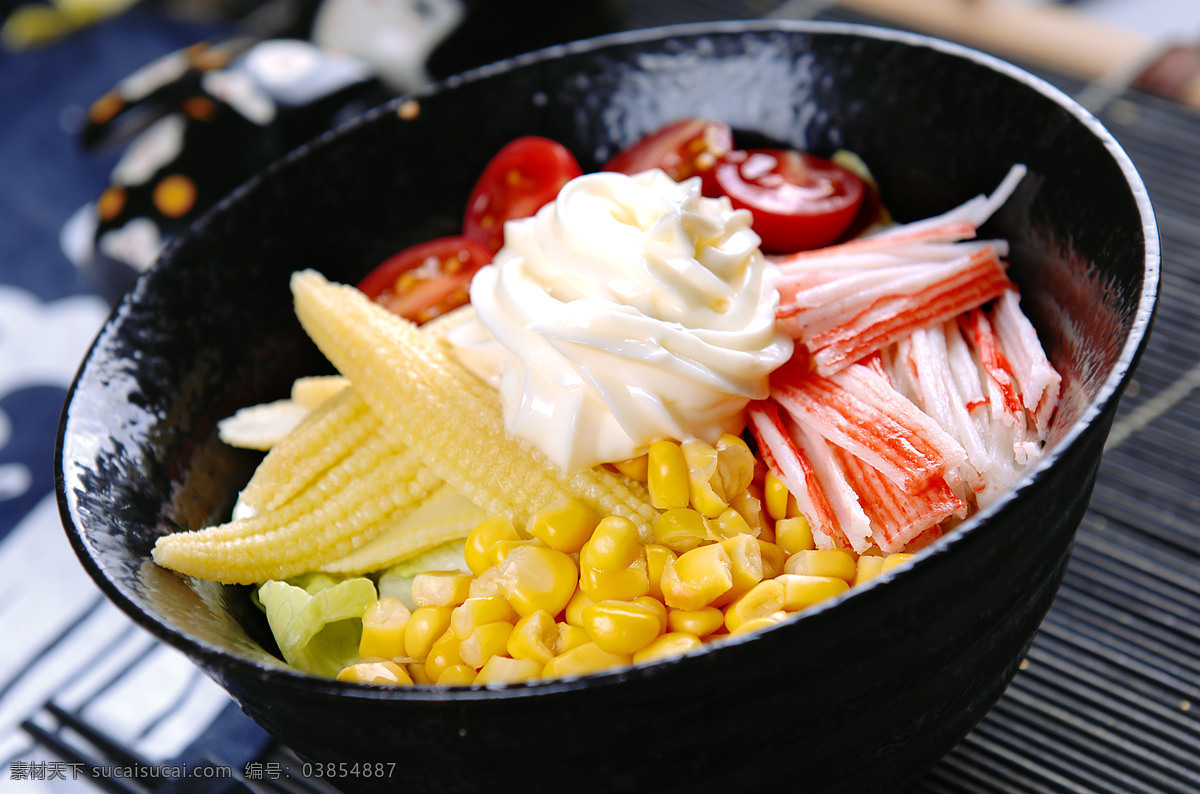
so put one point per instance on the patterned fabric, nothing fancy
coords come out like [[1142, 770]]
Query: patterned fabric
[[68, 657]]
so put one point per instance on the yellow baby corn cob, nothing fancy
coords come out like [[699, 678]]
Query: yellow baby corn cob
[[326, 436], [444, 516], [313, 390], [264, 425], [428, 401], [348, 506], [338, 422]]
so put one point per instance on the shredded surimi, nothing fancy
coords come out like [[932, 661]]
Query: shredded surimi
[[875, 318], [848, 300], [1036, 377], [859, 410], [975, 211], [918, 389], [781, 449], [898, 517]]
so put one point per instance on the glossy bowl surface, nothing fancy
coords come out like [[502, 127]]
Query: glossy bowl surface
[[863, 694]]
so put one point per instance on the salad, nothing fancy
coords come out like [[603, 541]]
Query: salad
[[628, 413]]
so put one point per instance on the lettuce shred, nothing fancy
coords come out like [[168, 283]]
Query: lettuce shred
[[317, 622]]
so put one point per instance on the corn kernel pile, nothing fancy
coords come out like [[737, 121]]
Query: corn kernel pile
[[573, 593]]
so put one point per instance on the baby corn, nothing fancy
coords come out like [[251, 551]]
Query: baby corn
[[348, 506], [337, 423], [446, 515], [428, 401], [325, 437]]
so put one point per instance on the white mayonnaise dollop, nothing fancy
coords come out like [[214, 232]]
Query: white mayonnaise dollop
[[629, 310]]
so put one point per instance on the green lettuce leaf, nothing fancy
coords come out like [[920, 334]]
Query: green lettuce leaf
[[318, 626]]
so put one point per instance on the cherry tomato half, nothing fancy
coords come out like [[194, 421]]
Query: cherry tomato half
[[428, 279], [682, 149], [799, 201], [523, 176]]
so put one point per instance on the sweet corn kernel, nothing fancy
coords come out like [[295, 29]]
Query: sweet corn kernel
[[656, 606], [501, 548], [762, 600], [441, 588], [802, 590], [775, 494], [457, 675], [773, 558], [746, 567], [569, 638], [442, 654], [375, 671], [680, 529], [634, 468], [822, 562], [535, 637], [667, 646], [477, 550], [502, 670], [621, 627], [704, 489], [487, 584], [869, 566], [700, 622], [667, 475], [749, 506], [893, 561], [536, 577], [656, 560], [756, 624], [584, 659], [728, 524], [614, 545], [383, 629], [484, 642], [794, 534], [565, 526], [623, 585], [697, 577], [573, 614], [423, 629], [478, 611], [416, 671], [735, 464]]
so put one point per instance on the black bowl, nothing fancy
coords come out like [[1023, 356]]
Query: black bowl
[[863, 694]]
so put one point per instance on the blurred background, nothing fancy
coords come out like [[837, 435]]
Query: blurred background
[[121, 121]]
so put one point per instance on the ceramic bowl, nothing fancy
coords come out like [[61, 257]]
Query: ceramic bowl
[[861, 694]]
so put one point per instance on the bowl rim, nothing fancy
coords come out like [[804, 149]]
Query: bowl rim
[[211, 658]]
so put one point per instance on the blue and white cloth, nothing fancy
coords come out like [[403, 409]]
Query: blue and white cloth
[[64, 648]]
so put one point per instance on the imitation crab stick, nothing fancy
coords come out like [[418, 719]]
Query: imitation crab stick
[[869, 319], [921, 369], [896, 238], [785, 457], [898, 518], [861, 411], [849, 300], [1037, 379]]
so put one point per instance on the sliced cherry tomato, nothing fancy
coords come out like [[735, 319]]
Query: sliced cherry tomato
[[523, 176], [799, 201], [682, 149], [428, 279]]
